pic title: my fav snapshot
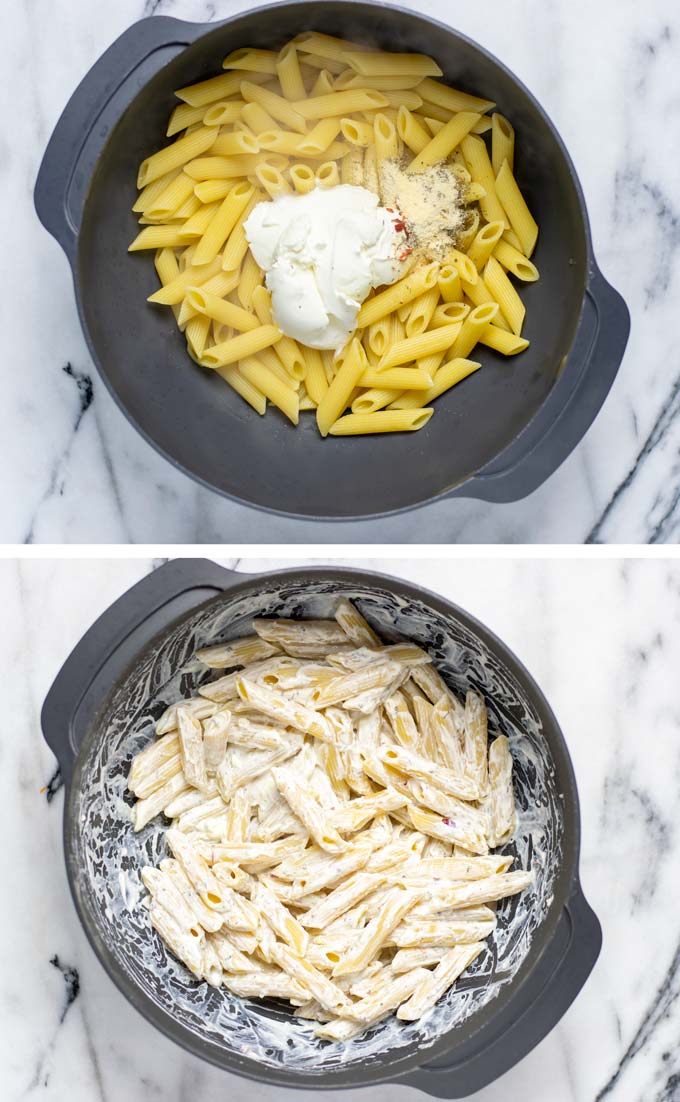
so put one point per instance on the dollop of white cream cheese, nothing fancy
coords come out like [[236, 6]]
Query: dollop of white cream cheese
[[322, 253]]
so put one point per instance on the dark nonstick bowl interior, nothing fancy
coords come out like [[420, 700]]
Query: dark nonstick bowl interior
[[104, 856], [198, 422]]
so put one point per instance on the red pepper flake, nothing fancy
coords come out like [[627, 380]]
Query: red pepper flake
[[407, 252], [449, 822], [390, 210]]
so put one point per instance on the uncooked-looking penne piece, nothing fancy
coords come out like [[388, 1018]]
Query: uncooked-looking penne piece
[[389, 420], [414, 348], [515, 261], [405, 290], [511, 305], [519, 216], [176, 155], [278, 107], [502, 142], [237, 348], [445, 141], [433, 986]]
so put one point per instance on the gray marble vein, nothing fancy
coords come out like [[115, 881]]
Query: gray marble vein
[[607, 73]]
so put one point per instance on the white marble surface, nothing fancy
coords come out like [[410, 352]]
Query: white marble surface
[[607, 73], [602, 640]]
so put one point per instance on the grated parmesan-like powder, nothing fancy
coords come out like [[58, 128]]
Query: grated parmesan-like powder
[[432, 204]]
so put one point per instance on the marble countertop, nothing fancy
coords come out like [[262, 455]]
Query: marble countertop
[[66, 1033], [607, 74]]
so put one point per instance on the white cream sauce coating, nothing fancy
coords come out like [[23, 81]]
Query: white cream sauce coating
[[110, 856]]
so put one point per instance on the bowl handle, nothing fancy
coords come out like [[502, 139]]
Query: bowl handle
[[109, 646], [91, 113], [571, 407], [563, 968]]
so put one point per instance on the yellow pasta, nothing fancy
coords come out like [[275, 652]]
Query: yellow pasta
[[449, 375], [521, 220], [272, 181], [502, 142], [315, 376], [252, 61], [376, 63], [288, 72], [512, 307], [449, 313], [217, 88], [502, 341], [156, 237], [357, 132], [328, 174], [319, 138], [515, 261], [478, 162], [388, 420], [414, 348], [478, 293], [182, 117], [220, 310], [442, 144], [352, 365], [245, 388], [411, 131], [194, 227], [255, 116], [472, 328], [279, 141], [484, 243], [278, 107], [325, 45], [451, 99], [236, 144], [172, 196], [303, 178], [251, 276], [340, 103], [449, 283], [350, 79], [370, 401], [222, 223], [271, 386], [174, 156], [397, 378], [196, 334], [421, 312], [238, 348], [323, 84], [385, 137], [405, 290], [223, 112]]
